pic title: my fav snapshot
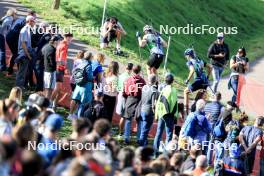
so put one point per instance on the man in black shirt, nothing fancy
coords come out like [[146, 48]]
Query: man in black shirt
[[49, 55], [218, 52]]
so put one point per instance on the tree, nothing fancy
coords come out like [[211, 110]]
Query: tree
[[56, 4]]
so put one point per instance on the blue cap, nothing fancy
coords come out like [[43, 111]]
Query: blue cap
[[54, 122], [189, 52]]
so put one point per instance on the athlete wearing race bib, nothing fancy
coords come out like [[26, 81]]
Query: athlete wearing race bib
[[155, 44], [196, 67]]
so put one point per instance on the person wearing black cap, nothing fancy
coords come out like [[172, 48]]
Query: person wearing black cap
[[49, 55]]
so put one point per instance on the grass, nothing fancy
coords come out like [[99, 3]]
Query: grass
[[246, 15]]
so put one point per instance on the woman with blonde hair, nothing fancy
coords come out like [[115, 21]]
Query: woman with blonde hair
[[16, 95], [9, 110], [97, 67]]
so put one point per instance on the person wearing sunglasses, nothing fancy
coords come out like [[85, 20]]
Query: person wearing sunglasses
[[239, 65], [218, 52]]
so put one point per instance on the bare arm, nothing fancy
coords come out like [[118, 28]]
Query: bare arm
[[142, 42], [242, 141], [209, 69], [190, 73], [24, 46]]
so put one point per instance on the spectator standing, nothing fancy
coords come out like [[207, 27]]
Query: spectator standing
[[50, 65], [110, 89], [148, 101], [7, 21], [12, 37], [120, 106], [61, 58], [214, 108], [83, 77], [97, 68], [218, 52], [132, 93], [249, 137], [165, 112], [25, 52], [239, 64], [76, 62]]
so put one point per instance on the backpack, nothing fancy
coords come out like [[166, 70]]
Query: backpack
[[219, 129], [79, 74], [191, 124], [93, 111]]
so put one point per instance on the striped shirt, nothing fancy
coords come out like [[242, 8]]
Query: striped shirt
[[213, 110]]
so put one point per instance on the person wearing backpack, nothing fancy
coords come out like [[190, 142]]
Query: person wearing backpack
[[239, 64], [165, 112], [49, 55], [96, 109], [196, 67], [219, 134], [132, 93], [83, 77], [155, 44]]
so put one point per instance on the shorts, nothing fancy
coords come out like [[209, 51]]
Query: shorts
[[60, 76], [49, 80], [155, 60], [120, 106], [109, 38], [197, 85], [83, 94]]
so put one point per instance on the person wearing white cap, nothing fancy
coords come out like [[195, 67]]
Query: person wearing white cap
[[24, 51], [218, 52]]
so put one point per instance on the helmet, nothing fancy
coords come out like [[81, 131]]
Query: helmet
[[189, 52], [147, 28]]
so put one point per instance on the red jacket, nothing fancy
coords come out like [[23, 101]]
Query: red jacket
[[133, 86]]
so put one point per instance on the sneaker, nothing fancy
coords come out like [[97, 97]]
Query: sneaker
[[120, 136]]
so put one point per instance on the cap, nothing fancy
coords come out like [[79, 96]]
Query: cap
[[30, 18], [54, 122], [32, 99], [220, 35], [232, 104], [189, 52], [147, 28]]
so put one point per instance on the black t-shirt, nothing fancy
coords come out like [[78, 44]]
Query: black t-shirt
[[49, 55], [216, 49], [240, 68]]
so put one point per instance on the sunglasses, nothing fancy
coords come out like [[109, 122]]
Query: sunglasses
[[220, 38]]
